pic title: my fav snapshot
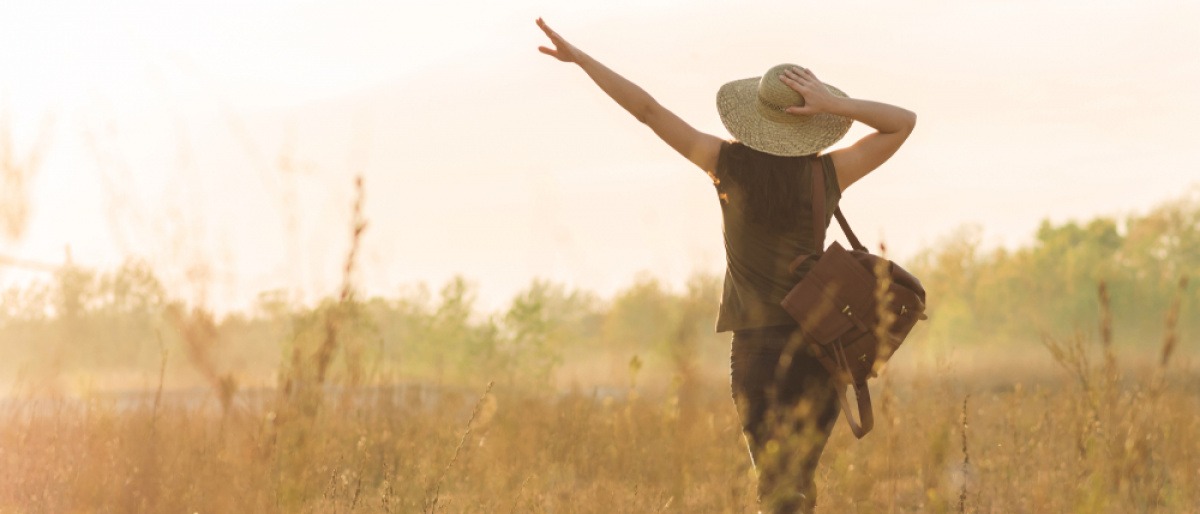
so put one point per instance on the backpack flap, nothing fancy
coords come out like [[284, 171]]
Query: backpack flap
[[854, 284], [834, 298], [816, 309]]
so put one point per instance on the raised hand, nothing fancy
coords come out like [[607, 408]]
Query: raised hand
[[562, 50], [817, 98]]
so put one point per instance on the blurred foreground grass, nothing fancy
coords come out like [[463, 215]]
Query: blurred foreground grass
[[1087, 438]]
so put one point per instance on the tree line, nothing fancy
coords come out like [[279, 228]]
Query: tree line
[[124, 319]]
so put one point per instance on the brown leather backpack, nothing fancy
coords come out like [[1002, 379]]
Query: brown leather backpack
[[854, 308]]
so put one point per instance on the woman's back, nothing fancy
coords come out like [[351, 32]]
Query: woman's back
[[767, 211]]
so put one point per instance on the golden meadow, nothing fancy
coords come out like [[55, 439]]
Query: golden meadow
[[1057, 377]]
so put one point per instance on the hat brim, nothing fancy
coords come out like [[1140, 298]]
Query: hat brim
[[805, 135]]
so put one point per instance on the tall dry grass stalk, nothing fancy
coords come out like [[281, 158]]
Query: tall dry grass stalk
[[162, 375], [1110, 359], [198, 331], [966, 464], [17, 173], [1171, 334], [883, 299], [304, 376], [435, 489], [324, 354]]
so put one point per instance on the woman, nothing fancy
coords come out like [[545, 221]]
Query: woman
[[781, 122]]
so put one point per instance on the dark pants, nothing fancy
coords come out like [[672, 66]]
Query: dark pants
[[788, 408]]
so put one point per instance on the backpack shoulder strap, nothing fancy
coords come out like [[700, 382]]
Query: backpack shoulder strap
[[854, 242], [817, 167]]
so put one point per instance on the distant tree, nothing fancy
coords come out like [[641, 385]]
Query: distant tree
[[1051, 284], [542, 323], [460, 341], [642, 318]]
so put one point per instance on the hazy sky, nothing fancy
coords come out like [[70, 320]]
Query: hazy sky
[[219, 140]]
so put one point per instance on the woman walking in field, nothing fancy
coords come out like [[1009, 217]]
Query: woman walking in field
[[781, 121]]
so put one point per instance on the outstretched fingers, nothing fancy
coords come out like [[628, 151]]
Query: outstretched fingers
[[562, 50], [550, 33]]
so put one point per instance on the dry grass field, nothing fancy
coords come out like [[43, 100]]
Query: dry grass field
[[1090, 432], [417, 404]]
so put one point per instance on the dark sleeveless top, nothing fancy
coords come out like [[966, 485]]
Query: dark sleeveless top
[[757, 257]]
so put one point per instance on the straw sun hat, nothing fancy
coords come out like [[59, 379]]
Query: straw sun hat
[[753, 111]]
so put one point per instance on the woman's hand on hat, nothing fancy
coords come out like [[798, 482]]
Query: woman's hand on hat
[[817, 98], [562, 50]]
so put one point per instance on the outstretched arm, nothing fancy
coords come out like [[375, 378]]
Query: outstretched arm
[[698, 147], [892, 124]]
